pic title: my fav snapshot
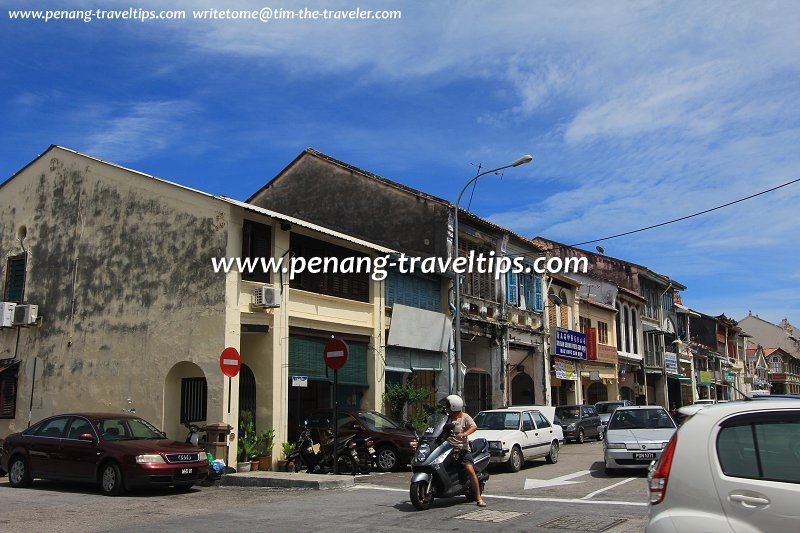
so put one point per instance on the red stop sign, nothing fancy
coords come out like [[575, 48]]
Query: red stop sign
[[335, 353], [230, 362]]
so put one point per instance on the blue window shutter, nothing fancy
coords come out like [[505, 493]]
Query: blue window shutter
[[538, 294], [512, 288]]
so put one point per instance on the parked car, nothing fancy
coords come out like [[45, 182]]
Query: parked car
[[394, 445], [579, 422], [118, 451], [2, 472], [519, 434], [735, 466], [636, 436], [606, 409], [705, 401]]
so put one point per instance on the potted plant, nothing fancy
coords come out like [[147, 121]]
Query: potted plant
[[265, 443], [247, 445], [287, 448]]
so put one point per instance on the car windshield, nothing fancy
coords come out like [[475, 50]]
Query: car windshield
[[495, 420], [607, 408], [641, 419], [568, 412], [377, 422], [127, 429]]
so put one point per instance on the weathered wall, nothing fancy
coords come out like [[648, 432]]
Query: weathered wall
[[119, 265], [321, 192]]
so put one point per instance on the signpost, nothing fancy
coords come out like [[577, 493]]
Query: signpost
[[335, 356], [230, 363]]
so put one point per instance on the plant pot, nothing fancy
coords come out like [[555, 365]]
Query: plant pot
[[265, 462], [254, 465], [281, 465], [243, 467]]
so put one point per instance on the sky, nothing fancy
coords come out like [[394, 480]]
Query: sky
[[635, 113]]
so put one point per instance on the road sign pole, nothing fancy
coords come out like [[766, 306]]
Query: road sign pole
[[228, 437], [335, 421]]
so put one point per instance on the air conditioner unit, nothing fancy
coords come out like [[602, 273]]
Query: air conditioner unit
[[7, 314], [266, 297], [25, 315]]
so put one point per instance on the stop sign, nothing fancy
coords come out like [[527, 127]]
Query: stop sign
[[230, 362], [335, 353]]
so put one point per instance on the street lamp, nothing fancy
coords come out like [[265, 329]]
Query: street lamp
[[521, 161]]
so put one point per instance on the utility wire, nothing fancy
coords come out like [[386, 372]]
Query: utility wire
[[688, 216]]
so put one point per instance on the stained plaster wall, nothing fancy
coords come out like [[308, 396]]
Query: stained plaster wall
[[119, 265]]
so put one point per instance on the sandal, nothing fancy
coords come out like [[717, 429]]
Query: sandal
[[481, 503]]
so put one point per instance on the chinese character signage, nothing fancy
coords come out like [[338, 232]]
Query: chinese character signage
[[591, 344], [568, 343], [671, 362], [565, 369]]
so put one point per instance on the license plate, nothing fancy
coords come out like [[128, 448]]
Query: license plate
[[372, 450], [644, 455], [187, 471]]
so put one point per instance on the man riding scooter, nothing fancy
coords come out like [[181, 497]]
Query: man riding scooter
[[463, 426]]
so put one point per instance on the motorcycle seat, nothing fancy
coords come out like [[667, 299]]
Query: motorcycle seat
[[478, 445]]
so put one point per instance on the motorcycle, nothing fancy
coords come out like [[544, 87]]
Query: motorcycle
[[353, 454], [306, 455], [436, 472]]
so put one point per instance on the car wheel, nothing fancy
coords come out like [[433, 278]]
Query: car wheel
[[419, 498], [111, 480], [552, 457], [387, 459], [18, 474], [514, 462], [581, 437]]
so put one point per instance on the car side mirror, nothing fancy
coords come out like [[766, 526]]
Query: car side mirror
[[88, 437]]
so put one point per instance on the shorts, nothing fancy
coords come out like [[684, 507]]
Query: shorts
[[465, 458]]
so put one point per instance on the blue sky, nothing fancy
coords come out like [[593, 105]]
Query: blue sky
[[635, 113]]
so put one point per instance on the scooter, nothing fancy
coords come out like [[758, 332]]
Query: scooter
[[436, 472], [306, 455]]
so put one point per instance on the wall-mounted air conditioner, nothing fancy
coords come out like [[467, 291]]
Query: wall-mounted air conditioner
[[266, 297], [25, 315], [7, 314]]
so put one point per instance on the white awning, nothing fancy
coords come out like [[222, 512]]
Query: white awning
[[419, 329]]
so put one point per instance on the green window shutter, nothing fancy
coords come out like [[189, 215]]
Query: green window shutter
[[354, 371], [305, 358], [15, 278]]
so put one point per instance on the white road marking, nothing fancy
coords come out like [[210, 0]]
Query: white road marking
[[561, 480], [595, 493], [519, 498]]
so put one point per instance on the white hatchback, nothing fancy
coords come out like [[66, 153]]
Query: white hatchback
[[518, 434], [730, 467]]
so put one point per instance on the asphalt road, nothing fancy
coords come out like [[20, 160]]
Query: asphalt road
[[583, 500]]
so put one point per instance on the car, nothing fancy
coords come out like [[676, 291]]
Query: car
[[519, 434], [119, 451], [705, 401], [636, 436], [394, 445], [735, 466], [2, 472], [606, 409], [579, 422]]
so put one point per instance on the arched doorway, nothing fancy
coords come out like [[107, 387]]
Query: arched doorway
[[626, 393], [522, 389], [596, 392], [185, 399], [247, 390]]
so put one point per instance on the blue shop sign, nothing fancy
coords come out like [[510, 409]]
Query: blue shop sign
[[570, 344]]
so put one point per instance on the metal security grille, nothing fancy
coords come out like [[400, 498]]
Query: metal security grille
[[477, 392], [8, 391], [194, 395]]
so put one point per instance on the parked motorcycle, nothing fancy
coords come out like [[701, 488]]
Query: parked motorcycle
[[306, 456], [436, 472], [354, 455]]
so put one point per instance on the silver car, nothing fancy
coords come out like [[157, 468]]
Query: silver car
[[731, 467], [636, 436]]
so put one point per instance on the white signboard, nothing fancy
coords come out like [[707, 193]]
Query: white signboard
[[299, 381], [565, 369], [671, 362]]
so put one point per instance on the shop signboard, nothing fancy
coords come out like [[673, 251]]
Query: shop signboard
[[704, 377], [671, 362], [730, 377], [565, 369], [569, 343], [606, 354]]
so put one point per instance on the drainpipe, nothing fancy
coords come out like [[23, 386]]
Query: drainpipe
[[450, 347]]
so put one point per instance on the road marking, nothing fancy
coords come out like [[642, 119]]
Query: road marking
[[561, 480], [595, 493], [519, 498]]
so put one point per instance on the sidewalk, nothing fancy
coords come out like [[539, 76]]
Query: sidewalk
[[289, 480]]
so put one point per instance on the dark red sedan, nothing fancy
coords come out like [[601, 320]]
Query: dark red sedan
[[118, 451]]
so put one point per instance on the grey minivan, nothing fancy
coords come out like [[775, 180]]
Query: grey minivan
[[606, 409]]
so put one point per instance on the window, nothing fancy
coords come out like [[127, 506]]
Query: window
[[650, 294], [585, 324], [602, 332], [512, 288], [53, 428], [627, 330], [756, 446], [634, 332], [8, 392], [256, 243], [15, 279], [413, 290], [527, 422], [620, 326], [194, 395], [78, 427], [776, 364], [342, 281], [541, 422], [474, 283], [477, 391]]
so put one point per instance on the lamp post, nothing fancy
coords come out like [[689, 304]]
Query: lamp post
[[521, 161]]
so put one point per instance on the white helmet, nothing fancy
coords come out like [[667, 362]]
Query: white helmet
[[455, 403]]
